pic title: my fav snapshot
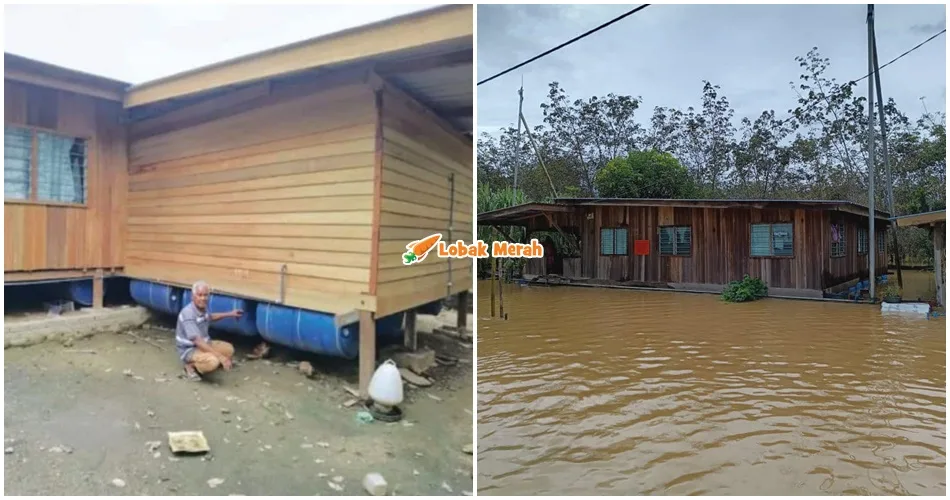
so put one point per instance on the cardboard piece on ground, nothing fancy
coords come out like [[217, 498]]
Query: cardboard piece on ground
[[188, 442]]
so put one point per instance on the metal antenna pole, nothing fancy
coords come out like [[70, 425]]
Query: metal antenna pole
[[887, 162], [871, 239], [518, 140]]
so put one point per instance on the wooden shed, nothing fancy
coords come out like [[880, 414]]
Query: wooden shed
[[798, 248], [936, 223], [297, 175]]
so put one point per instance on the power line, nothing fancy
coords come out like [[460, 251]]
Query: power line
[[565, 44], [919, 45]]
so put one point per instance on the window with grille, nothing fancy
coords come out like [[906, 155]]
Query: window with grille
[[613, 241], [862, 241], [838, 240], [881, 242], [55, 163], [772, 240], [676, 240]]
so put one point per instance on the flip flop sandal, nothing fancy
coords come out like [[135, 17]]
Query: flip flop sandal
[[191, 377]]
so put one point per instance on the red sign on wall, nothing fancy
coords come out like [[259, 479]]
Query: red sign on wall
[[641, 247]]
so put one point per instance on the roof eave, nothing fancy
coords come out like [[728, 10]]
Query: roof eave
[[445, 24]]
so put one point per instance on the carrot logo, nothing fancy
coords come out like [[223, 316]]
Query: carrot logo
[[417, 250]]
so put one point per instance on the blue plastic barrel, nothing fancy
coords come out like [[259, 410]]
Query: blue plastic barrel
[[81, 291], [317, 332], [155, 296], [433, 308], [246, 326]]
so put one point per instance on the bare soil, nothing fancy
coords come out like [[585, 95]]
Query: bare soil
[[81, 416]]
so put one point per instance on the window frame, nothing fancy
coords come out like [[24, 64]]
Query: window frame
[[771, 254], [659, 240], [866, 233], [35, 168], [844, 241], [613, 230], [881, 242]]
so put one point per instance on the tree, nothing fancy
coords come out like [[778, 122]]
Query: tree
[[644, 174]]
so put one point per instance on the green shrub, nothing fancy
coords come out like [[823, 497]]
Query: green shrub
[[745, 290]]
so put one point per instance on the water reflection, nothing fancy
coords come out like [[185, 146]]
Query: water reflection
[[590, 391]]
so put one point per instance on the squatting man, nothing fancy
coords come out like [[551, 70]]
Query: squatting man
[[197, 351]]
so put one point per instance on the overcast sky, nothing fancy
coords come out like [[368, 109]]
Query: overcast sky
[[137, 43], [663, 53]]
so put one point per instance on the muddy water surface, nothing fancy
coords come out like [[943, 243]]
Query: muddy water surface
[[592, 391]]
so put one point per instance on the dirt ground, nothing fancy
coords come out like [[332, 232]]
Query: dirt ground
[[75, 421]]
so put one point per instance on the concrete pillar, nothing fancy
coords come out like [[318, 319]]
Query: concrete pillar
[[410, 337], [367, 351], [939, 233]]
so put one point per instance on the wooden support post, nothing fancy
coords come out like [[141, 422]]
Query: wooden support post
[[938, 236], [492, 287], [463, 311], [410, 334], [97, 290], [367, 351], [501, 291]]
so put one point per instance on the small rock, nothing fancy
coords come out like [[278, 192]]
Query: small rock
[[323, 444], [118, 483], [137, 377], [412, 378], [375, 484], [230, 398], [306, 368], [225, 411], [415, 472], [446, 487], [108, 370], [153, 445], [433, 396], [157, 454], [318, 460], [467, 449], [288, 415], [321, 474], [160, 380], [150, 413], [335, 486], [338, 479], [8, 450], [215, 482], [61, 449], [127, 372], [267, 446], [205, 407], [466, 493], [306, 445]]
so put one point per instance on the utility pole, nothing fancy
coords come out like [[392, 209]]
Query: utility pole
[[518, 140], [871, 239], [887, 162]]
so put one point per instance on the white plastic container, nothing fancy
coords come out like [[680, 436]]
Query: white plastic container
[[386, 385]]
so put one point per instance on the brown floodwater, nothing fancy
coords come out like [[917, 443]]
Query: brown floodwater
[[598, 391]]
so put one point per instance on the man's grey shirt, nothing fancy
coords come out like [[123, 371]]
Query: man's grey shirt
[[192, 323]]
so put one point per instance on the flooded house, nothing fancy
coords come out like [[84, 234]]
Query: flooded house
[[798, 248], [291, 180]]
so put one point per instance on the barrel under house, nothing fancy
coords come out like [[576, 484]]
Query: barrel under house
[[292, 180]]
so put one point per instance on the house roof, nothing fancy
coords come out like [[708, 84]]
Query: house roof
[[428, 54], [25, 70], [511, 215], [921, 219]]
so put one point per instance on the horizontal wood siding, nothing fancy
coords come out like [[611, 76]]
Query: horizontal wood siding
[[231, 189], [38, 236], [721, 246], [418, 155]]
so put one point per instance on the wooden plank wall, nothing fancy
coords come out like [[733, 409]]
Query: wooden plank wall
[[40, 236], [231, 189], [721, 246], [418, 156], [852, 265]]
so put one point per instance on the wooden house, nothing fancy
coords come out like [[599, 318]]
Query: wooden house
[[936, 223], [295, 176], [798, 248]]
